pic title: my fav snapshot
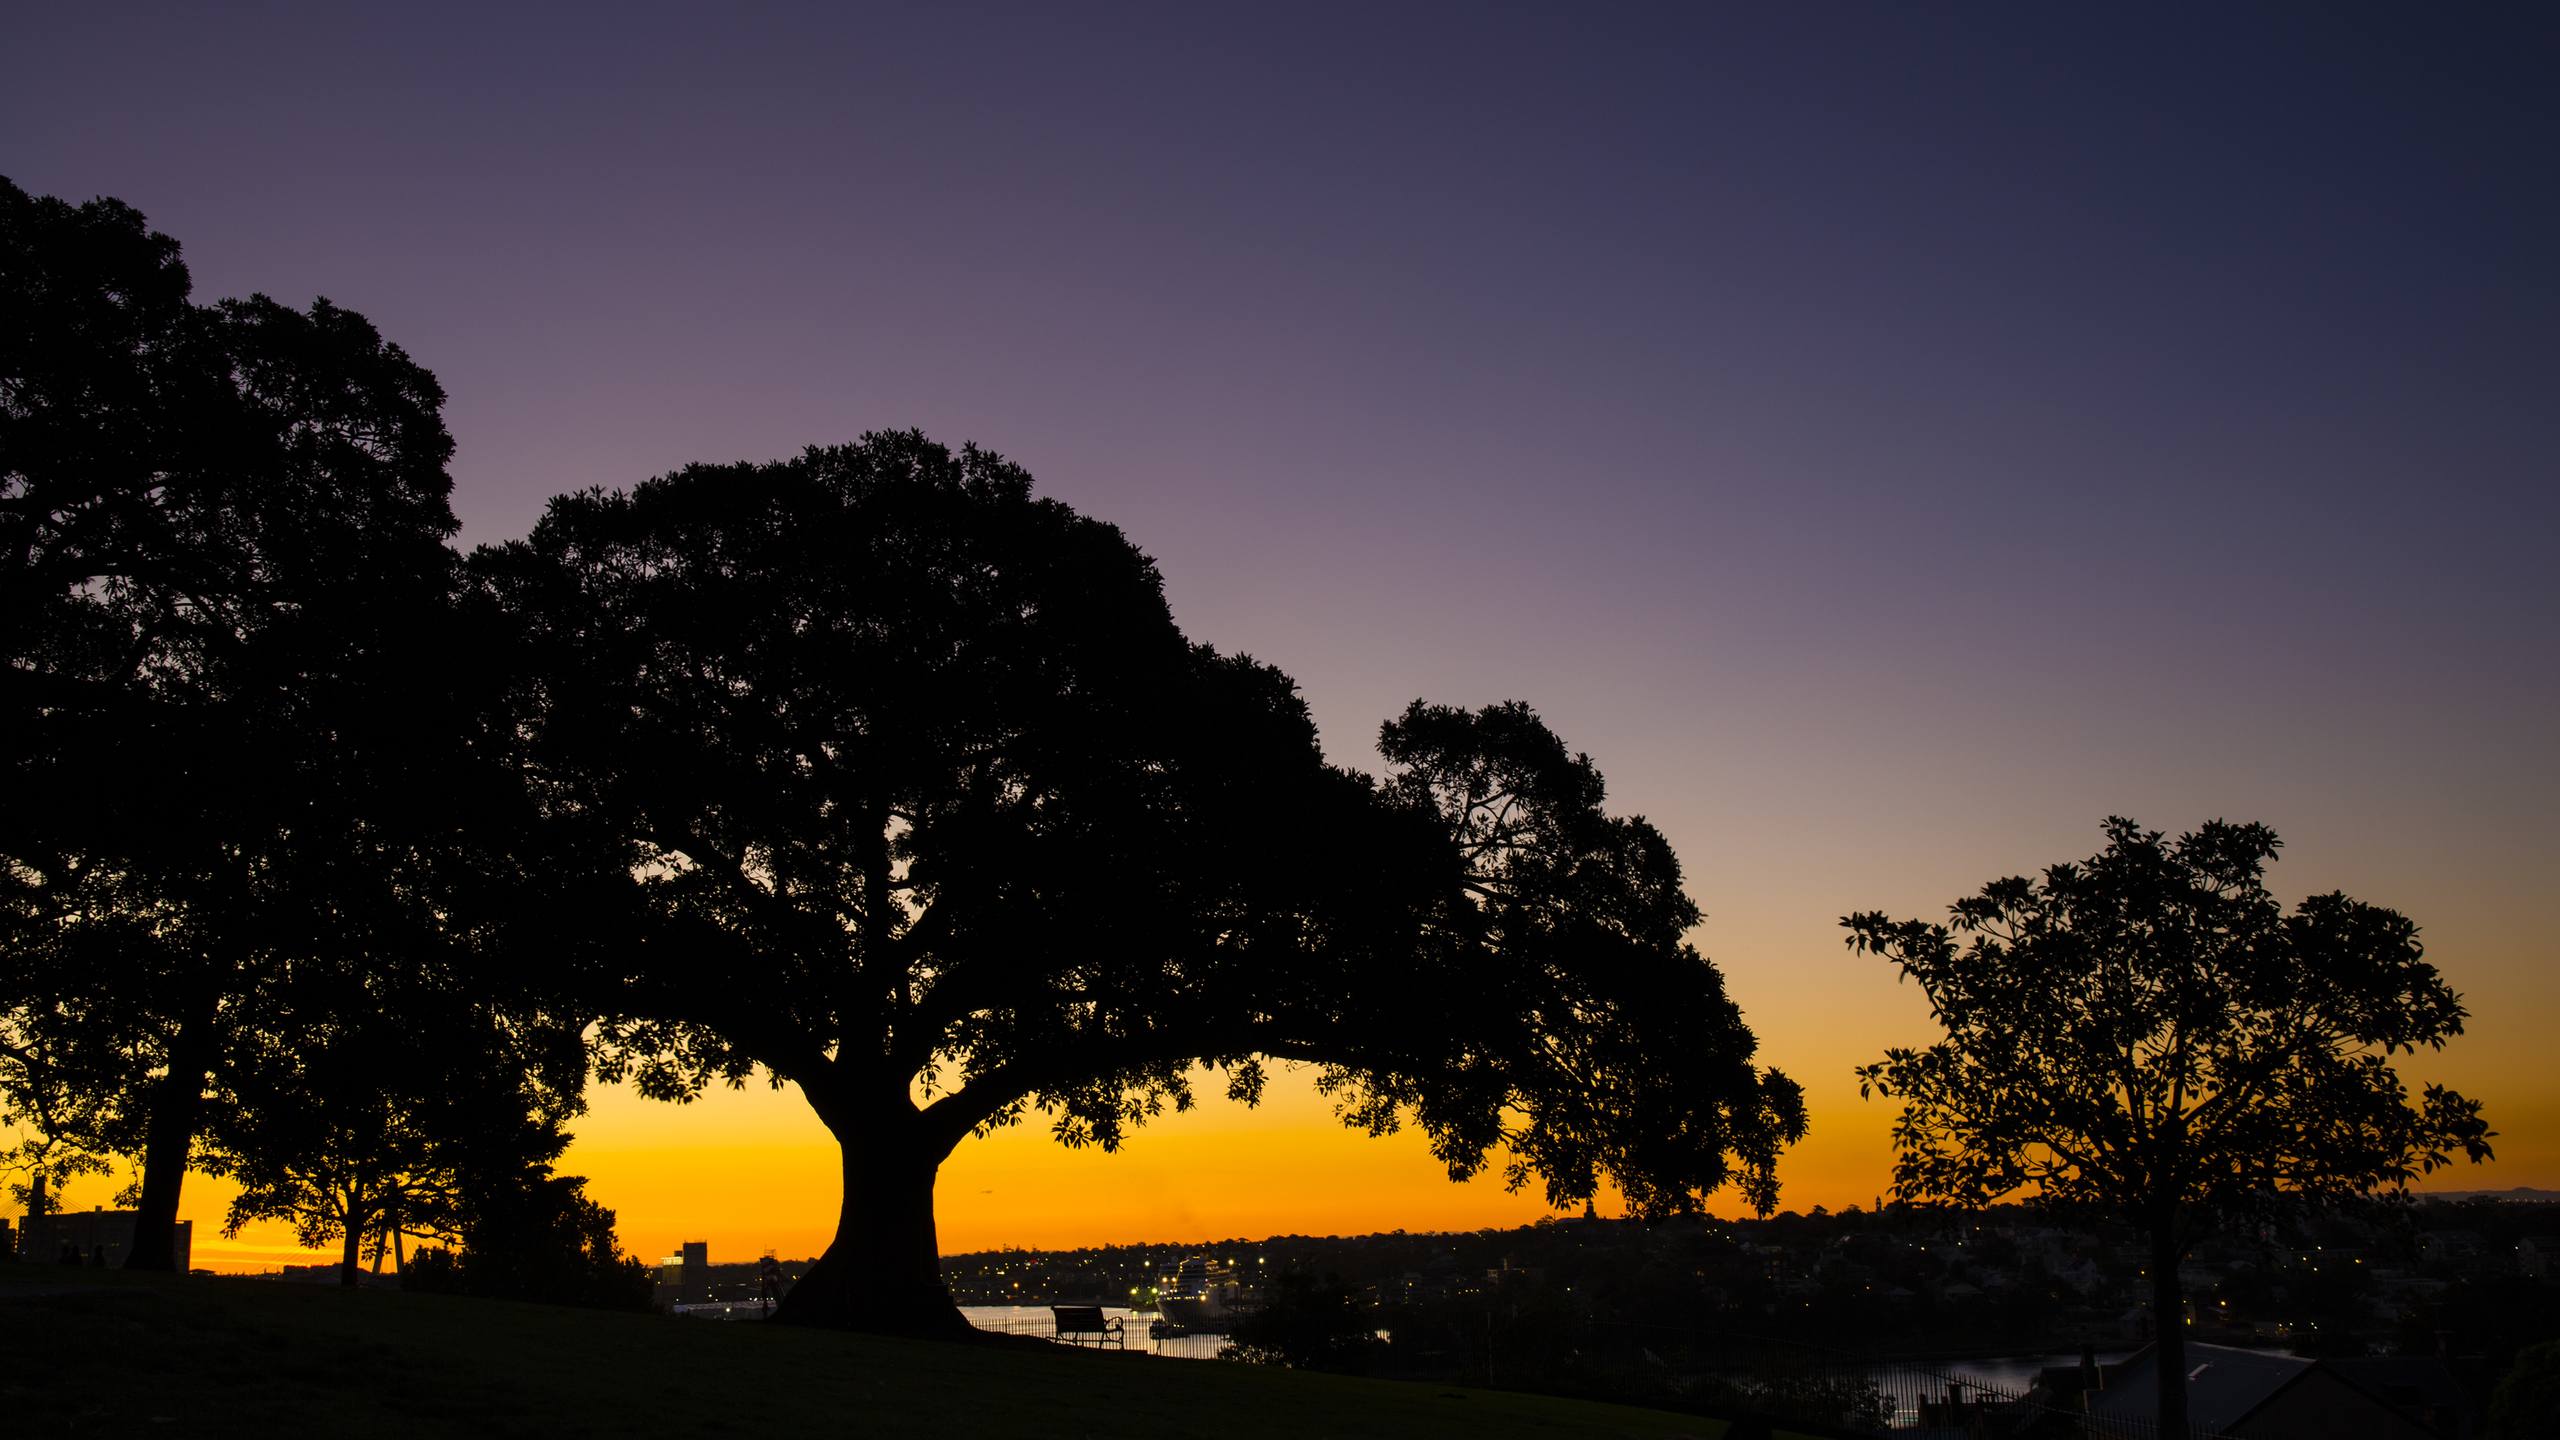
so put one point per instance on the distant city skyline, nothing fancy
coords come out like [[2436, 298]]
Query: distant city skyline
[[1887, 446]]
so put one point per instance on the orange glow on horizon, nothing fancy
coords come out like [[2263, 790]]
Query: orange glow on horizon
[[753, 1170]]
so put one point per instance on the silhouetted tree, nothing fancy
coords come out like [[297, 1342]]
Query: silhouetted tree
[[545, 1240], [524, 1233], [223, 571], [2150, 1035], [375, 1096], [2527, 1401], [76, 953], [936, 814], [1305, 1322]]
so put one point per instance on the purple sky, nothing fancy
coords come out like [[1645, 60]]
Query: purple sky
[[1889, 442]]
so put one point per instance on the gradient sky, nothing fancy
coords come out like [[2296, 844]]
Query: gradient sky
[[1887, 441]]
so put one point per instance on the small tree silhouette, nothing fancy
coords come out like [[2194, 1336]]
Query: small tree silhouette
[[373, 1099], [2149, 1035]]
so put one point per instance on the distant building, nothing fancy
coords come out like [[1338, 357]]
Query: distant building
[[684, 1278], [96, 1236]]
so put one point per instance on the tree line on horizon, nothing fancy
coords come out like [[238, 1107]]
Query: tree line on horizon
[[339, 860]]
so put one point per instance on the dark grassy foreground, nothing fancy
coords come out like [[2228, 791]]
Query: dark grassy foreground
[[86, 1352]]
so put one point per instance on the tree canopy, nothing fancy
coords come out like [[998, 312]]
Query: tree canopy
[[376, 1096], [227, 669], [1612, 1045], [2151, 1035], [928, 807], [528, 1234], [866, 770]]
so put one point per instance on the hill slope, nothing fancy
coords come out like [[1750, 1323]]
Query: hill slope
[[108, 1353]]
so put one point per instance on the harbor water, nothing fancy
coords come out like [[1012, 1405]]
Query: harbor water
[[2010, 1373], [1036, 1320]]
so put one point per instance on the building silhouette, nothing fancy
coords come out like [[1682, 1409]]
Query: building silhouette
[[684, 1278], [96, 1236]]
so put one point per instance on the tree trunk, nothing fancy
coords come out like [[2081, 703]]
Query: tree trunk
[[350, 1263], [2169, 1328], [882, 1272], [168, 1140]]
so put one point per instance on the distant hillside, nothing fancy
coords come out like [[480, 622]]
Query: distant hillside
[[2521, 1195]]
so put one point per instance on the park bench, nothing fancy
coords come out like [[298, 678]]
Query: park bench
[[1079, 1323]]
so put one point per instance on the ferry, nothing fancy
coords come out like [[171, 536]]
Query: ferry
[[1201, 1297]]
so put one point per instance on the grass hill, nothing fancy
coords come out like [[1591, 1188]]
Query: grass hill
[[89, 1352]]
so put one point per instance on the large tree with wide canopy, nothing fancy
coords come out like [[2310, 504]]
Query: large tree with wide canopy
[[928, 808]]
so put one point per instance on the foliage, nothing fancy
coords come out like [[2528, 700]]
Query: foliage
[[222, 568], [921, 796], [890, 744], [2151, 1028], [58, 1096], [2495, 1317], [2150, 1035], [527, 1234], [1305, 1322], [381, 1097], [2526, 1404], [1582, 915]]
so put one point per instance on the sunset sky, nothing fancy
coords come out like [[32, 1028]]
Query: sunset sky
[[1889, 442]]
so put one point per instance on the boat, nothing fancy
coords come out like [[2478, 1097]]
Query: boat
[[1201, 1297]]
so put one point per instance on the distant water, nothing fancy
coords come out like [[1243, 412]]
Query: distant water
[[2005, 1372], [2011, 1372], [1036, 1320]]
